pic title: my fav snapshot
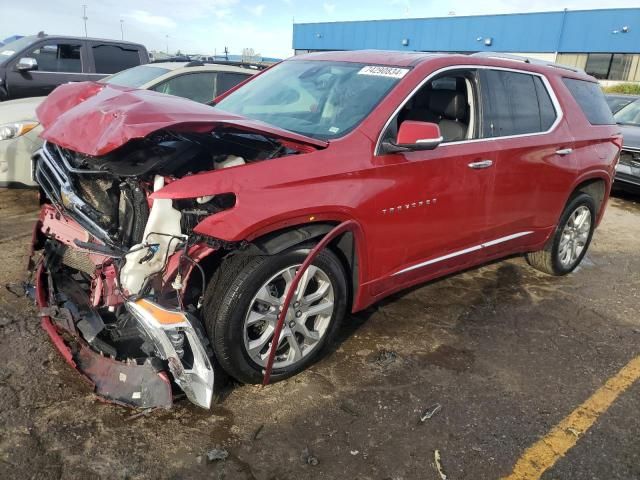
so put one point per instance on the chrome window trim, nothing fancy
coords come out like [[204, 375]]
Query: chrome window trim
[[69, 73], [545, 81], [475, 248]]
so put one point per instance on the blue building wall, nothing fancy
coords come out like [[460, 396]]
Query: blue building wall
[[580, 31]]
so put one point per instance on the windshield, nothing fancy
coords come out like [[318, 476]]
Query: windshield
[[135, 77], [318, 99], [629, 115], [10, 49], [616, 103]]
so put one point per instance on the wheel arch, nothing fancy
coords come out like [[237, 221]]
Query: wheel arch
[[598, 186], [347, 246]]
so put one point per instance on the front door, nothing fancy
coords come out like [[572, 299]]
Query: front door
[[59, 61], [437, 202]]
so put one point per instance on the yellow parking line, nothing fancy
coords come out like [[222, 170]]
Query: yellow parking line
[[543, 454]]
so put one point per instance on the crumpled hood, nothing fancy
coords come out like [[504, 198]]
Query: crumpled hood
[[94, 118]]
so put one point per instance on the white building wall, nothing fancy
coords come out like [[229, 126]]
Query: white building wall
[[547, 57]]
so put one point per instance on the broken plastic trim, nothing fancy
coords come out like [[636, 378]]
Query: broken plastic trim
[[158, 323]]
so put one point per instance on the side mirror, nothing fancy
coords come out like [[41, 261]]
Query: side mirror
[[26, 64], [414, 136]]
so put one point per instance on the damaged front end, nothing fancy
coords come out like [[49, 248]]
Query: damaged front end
[[128, 346], [118, 274]]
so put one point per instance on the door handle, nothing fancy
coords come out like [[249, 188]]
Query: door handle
[[481, 164], [564, 151]]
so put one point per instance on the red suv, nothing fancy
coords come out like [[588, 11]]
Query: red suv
[[171, 232]]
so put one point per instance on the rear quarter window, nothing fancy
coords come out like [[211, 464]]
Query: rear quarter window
[[591, 100], [548, 112]]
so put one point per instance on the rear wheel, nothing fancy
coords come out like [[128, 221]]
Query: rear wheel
[[242, 306], [571, 239]]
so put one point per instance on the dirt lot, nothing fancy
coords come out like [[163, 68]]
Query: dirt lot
[[507, 352]]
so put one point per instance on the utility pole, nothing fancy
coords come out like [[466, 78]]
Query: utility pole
[[167, 37], [122, 28], [226, 54], [85, 18], [560, 35]]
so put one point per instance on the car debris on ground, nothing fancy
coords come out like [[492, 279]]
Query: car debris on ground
[[438, 464], [430, 412], [385, 357], [216, 454], [308, 458]]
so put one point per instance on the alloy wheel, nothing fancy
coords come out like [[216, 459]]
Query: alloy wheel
[[574, 236], [305, 324]]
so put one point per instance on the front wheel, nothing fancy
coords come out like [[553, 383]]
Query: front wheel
[[571, 239], [243, 302]]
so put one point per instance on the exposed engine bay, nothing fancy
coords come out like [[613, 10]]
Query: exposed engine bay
[[115, 264]]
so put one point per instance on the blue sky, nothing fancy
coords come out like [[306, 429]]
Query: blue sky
[[205, 26]]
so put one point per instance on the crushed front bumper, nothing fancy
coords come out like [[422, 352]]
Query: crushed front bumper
[[628, 168], [161, 325], [145, 385]]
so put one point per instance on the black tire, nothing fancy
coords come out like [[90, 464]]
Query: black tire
[[230, 293], [548, 260]]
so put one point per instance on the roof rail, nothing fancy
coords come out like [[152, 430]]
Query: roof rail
[[255, 66], [520, 58], [199, 63], [172, 59]]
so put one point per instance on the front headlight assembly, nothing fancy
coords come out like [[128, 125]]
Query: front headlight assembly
[[14, 130]]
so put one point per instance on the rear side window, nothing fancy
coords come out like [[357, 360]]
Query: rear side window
[[226, 81], [591, 100], [515, 104], [199, 87], [114, 58]]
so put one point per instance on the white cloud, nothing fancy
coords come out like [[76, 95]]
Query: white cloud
[[256, 10], [329, 7], [222, 13], [145, 17]]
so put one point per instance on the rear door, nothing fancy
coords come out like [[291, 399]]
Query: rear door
[[59, 61], [108, 58], [535, 161]]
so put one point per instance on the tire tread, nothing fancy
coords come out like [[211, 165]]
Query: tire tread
[[544, 260]]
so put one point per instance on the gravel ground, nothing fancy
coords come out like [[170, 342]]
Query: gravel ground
[[507, 352]]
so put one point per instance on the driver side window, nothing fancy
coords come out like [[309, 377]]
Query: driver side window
[[58, 57], [449, 101]]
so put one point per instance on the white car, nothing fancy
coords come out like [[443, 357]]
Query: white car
[[20, 131]]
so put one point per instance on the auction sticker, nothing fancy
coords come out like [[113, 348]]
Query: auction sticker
[[379, 71]]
